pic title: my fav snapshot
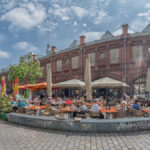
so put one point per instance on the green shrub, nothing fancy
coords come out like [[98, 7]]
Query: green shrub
[[5, 105]]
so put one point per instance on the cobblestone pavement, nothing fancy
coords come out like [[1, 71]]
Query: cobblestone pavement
[[16, 137]]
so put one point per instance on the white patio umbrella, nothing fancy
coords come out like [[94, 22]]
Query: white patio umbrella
[[148, 81], [88, 80], [108, 83], [74, 83], [49, 79]]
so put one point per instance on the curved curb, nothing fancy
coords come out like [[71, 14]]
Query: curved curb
[[85, 125]]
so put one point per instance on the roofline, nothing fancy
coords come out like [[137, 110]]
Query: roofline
[[118, 37]]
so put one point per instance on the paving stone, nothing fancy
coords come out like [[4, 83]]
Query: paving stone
[[16, 137]]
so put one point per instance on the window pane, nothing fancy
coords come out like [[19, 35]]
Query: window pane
[[59, 65], [75, 62], [114, 56], [91, 56]]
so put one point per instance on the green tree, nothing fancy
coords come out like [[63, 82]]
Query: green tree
[[28, 70]]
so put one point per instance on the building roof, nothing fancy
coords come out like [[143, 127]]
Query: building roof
[[147, 28], [107, 35], [74, 44]]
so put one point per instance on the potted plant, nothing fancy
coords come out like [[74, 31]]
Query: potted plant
[[5, 106]]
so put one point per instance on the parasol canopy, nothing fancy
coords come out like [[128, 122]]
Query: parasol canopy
[[70, 84], [108, 83]]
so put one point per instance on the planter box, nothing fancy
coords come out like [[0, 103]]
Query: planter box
[[3, 116]]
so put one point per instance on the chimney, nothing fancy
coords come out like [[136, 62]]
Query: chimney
[[3, 70], [82, 40], [124, 29], [53, 48]]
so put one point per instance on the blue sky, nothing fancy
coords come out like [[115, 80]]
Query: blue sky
[[24, 24]]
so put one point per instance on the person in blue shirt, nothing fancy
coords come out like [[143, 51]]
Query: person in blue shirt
[[136, 105], [21, 103]]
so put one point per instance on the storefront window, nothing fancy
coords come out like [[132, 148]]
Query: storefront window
[[139, 86]]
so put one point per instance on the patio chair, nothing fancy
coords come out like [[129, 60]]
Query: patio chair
[[139, 113], [121, 114], [21, 110], [94, 114], [48, 111], [82, 115]]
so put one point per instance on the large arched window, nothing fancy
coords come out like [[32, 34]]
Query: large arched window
[[139, 86]]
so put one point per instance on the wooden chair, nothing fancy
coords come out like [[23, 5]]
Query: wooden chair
[[82, 115], [94, 114], [139, 113], [21, 110], [48, 111], [136, 113], [121, 114]]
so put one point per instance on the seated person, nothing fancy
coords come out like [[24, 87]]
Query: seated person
[[96, 108], [50, 100], [123, 105], [59, 100], [81, 109], [136, 105], [21, 103]]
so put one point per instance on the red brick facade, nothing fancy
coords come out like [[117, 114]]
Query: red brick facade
[[102, 68]]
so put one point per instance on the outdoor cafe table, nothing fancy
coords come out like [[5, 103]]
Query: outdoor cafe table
[[109, 111], [146, 110], [66, 110], [37, 108]]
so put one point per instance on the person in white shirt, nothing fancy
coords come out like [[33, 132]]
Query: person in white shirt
[[95, 107]]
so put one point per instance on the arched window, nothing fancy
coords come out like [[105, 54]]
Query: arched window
[[139, 86]]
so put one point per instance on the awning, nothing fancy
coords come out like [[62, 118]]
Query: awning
[[34, 86], [108, 83], [70, 84]]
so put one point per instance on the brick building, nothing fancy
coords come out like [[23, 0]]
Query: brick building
[[125, 57]]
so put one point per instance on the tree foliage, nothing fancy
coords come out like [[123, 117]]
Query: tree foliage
[[28, 70]]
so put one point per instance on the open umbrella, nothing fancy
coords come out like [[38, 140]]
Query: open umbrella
[[74, 83], [108, 83], [88, 79]]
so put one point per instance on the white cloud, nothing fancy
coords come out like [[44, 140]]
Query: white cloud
[[75, 23], [26, 46], [119, 32], [100, 16], [4, 54], [138, 25], [91, 36], [63, 13], [80, 12], [84, 24], [147, 5], [25, 17]]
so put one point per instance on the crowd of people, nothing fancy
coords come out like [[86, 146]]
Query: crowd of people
[[80, 104]]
